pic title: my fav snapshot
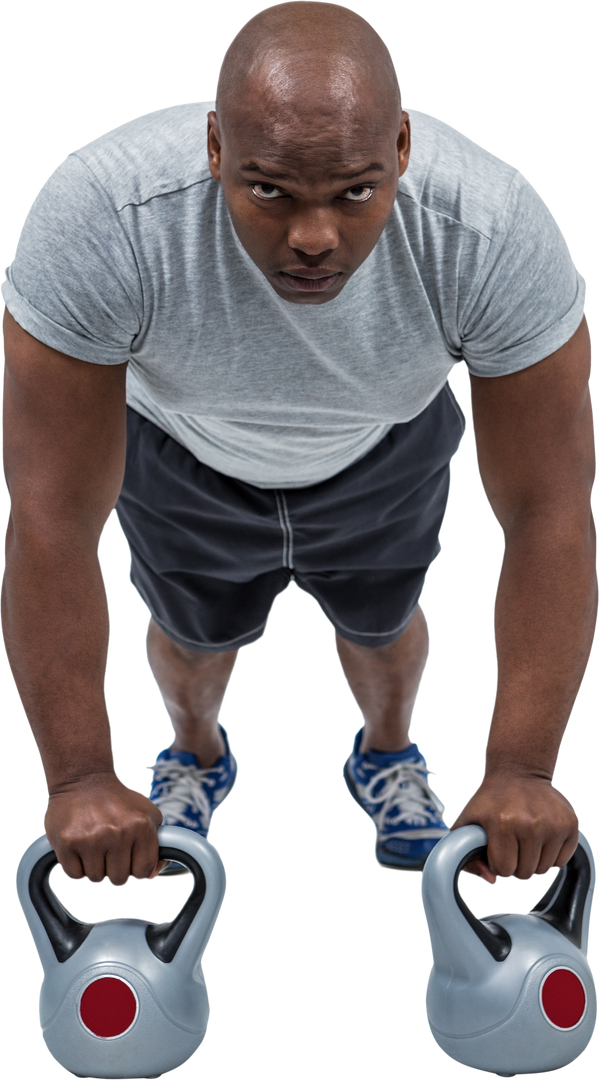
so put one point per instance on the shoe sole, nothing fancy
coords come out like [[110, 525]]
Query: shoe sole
[[389, 867], [392, 862]]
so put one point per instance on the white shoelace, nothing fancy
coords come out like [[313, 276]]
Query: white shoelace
[[405, 786], [182, 791]]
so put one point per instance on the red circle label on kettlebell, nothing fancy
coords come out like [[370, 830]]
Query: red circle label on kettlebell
[[563, 998], [108, 1007]]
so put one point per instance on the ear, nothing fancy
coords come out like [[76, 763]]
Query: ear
[[214, 146], [404, 143]]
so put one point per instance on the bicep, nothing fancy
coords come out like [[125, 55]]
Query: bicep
[[534, 433], [64, 432]]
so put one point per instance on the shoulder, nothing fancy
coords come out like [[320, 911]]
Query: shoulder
[[157, 154], [452, 177]]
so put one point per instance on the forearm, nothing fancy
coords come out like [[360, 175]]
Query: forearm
[[545, 618], [56, 631]]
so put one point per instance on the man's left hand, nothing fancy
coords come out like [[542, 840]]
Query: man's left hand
[[530, 826]]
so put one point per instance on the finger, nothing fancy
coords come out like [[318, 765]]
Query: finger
[[530, 850], [144, 857], [502, 853], [71, 869], [557, 852], [548, 859], [160, 865], [76, 867], [118, 863], [567, 850], [94, 863], [69, 864], [480, 868]]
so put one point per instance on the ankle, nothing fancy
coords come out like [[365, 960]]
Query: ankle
[[207, 749], [384, 743]]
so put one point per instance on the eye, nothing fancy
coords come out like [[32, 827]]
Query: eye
[[361, 193], [267, 191]]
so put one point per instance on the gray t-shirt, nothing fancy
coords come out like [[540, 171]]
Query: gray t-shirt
[[129, 253]]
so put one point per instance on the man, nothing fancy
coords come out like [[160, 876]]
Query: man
[[281, 318]]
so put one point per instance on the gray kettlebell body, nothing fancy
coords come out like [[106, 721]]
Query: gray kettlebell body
[[123, 998], [509, 993]]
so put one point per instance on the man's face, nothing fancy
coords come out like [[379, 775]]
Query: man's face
[[309, 183]]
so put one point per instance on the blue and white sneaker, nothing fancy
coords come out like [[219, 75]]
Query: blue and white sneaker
[[187, 794], [393, 790]]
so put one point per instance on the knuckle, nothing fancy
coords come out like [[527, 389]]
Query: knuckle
[[104, 842], [505, 821]]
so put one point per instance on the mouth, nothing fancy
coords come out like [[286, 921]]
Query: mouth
[[311, 281]]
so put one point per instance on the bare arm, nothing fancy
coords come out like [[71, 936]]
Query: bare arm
[[65, 438], [535, 447]]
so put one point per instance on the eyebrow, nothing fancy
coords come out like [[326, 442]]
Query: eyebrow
[[252, 166]]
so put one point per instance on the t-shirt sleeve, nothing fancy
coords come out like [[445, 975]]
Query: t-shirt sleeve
[[74, 283], [528, 298]]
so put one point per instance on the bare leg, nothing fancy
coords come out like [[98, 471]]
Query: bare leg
[[193, 685], [384, 682]]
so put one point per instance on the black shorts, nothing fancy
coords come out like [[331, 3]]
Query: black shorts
[[210, 553]]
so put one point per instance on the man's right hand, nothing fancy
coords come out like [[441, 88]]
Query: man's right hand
[[100, 828], [65, 441]]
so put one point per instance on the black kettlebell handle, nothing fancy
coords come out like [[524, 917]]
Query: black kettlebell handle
[[562, 906], [66, 934]]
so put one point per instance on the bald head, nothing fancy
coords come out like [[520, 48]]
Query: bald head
[[308, 142], [321, 55]]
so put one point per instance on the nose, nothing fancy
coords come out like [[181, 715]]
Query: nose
[[313, 232]]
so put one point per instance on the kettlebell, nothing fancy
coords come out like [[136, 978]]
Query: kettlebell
[[509, 993], [123, 998]]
